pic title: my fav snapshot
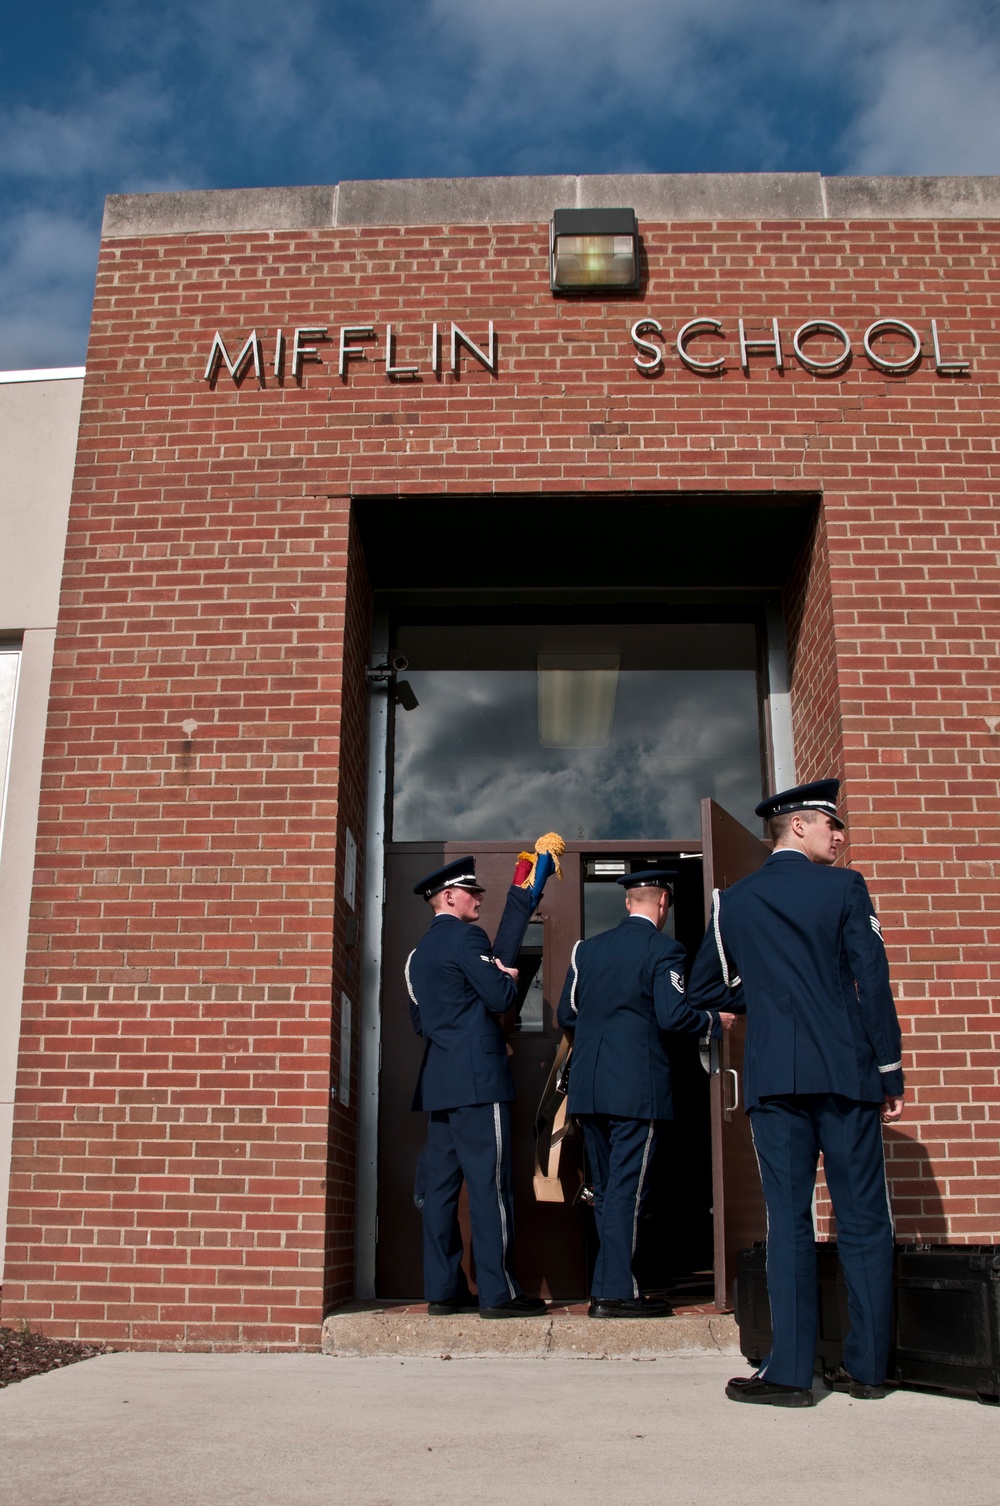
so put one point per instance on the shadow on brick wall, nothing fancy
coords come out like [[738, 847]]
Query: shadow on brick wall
[[917, 1205]]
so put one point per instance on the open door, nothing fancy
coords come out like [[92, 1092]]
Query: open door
[[730, 852]]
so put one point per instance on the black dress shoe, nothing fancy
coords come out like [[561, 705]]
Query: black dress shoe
[[767, 1393], [518, 1307], [466, 1303], [628, 1307], [842, 1380]]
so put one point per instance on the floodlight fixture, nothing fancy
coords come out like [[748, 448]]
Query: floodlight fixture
[[594, 250]]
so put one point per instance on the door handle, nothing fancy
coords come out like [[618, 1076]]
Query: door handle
[[731, 1075]]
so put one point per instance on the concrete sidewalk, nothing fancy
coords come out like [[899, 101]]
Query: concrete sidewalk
[[234, 1430]]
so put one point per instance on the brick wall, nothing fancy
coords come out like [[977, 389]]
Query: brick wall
[[182, 1005]]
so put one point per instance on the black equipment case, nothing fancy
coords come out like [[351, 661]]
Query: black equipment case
[[947, 1323], [753, 1311]]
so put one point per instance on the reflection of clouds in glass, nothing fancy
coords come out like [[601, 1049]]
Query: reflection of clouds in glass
[[468, 764]]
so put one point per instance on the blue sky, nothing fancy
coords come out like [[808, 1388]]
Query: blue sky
[[114, 96]]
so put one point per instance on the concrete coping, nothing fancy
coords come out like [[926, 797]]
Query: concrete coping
[[531, 200]]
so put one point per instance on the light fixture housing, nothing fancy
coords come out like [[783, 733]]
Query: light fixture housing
[[594, 250]]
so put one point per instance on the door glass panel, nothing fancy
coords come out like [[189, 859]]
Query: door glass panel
[[604, 897], [531, 980], [602, 732]]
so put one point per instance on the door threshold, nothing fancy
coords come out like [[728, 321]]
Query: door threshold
[[405, 1330]]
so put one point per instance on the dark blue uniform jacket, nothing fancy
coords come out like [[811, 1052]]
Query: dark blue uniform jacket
[[625, 988], [456, 992], [807, 945]]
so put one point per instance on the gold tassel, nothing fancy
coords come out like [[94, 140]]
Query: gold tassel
[[553, 844]]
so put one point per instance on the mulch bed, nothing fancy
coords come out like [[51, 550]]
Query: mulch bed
[[24, 1354]]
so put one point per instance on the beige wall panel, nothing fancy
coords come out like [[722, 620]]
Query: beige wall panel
[[38, 426], [17, 861]]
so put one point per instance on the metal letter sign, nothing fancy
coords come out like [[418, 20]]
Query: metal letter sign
[[349, 351], [219, 353], [651, 358], [824, 327], [444, 350], [896, 325], [696, 327]]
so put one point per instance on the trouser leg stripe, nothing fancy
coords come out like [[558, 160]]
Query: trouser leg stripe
[[767, 1216], [638, 1197], [504, 1236]]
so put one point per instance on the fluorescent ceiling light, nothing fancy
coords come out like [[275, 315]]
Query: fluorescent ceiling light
[[576, 699]]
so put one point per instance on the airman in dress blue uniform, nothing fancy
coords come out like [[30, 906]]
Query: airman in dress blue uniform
[[799, 946], [458, 989], [623, 992]]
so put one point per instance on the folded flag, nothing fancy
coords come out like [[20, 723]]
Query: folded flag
[[530, 874], [533, 869]]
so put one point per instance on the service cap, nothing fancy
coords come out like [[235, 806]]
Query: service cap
[[458, 875], [819, 796], [653, 877]]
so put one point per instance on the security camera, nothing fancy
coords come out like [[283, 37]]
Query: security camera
[[385, 674]]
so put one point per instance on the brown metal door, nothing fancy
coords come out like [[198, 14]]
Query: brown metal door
[[550, 1254], [730, 852], [401, 1133]]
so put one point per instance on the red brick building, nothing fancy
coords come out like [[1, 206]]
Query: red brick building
[[326, 428]]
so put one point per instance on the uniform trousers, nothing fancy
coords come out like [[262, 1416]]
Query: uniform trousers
[[789, 1134], [471, 1144], [620, 1152]]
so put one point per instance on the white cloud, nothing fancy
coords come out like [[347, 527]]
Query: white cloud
[[902, 86], [934, 108], [48, 245], [103, 130], [47, 257], [60, 163], [229, 92], [587, 36]]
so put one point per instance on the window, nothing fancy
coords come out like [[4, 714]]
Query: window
[[10, 662], [602, 731]]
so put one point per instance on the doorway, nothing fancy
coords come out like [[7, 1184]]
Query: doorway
[[611, 731], [555, 1242]]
